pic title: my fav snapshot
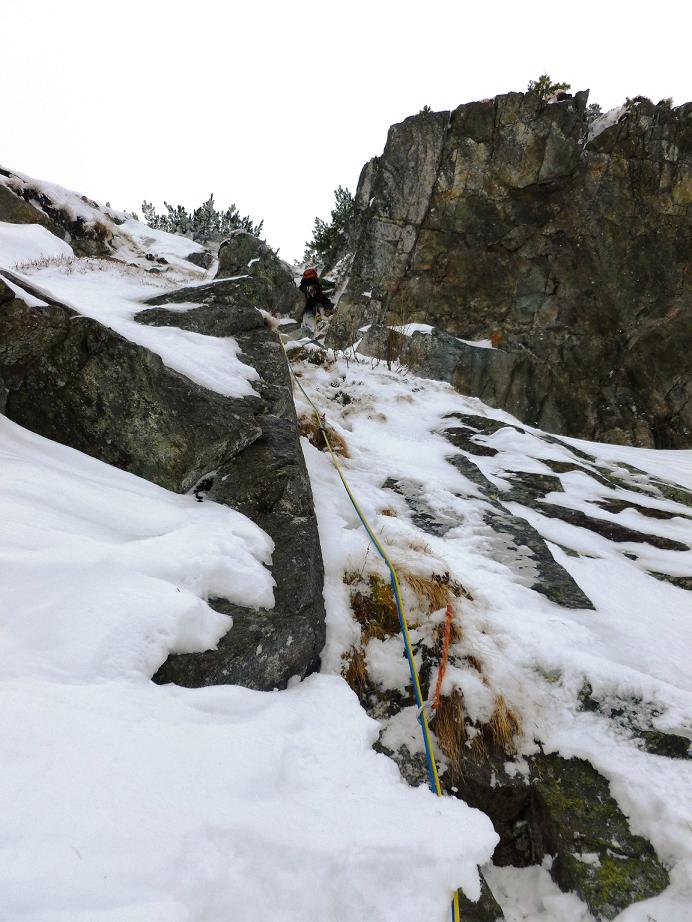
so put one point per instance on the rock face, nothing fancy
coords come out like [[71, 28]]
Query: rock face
[[21, 203], [81, 384], [267, 481], [14, 210], [566, 812], [85, 386], [503, 219], [272, 285]]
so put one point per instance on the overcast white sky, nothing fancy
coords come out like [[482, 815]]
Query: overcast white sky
[[271, 105]]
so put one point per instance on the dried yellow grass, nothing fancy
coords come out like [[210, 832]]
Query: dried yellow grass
[[449, 728], [429, 591], [473, 662], [313, 432], [455, 633], [479, 750], [355, 670], [504, 726]]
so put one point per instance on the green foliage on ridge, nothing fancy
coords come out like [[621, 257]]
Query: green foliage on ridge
[[329, 236], [544, 87], [203, 224]]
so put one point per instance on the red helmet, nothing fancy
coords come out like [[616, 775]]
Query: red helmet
[[310, 274]]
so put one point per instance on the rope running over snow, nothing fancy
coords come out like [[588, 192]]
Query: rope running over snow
[[433, 775]]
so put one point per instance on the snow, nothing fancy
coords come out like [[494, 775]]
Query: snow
[[604, 121], [131, 240], [21, 243], [409, 329], [529, 895], [666, 464], [173, 247], [112, 293], [153, 802], [478, 343], [634, 646], [217, 803], [125, 801], [109, 555], [23, 295]]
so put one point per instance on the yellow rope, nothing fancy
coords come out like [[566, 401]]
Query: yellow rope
[[404, 622]]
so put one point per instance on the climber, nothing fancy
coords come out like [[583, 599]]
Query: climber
[[315, 299]]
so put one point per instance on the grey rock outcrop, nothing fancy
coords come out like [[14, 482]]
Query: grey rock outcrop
[[565, 811], [84, 385], [273, 288], [502, 219], [202, 258], [23, 203], [14, 210], [268, 482]]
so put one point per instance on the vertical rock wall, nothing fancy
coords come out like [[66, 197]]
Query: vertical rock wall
[[502, 219]]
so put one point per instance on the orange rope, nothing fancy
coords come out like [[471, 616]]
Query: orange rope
[[445, 652]]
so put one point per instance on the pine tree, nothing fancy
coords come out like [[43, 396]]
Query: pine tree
[[544, 87], [328, 236], [593, 111], [204, 224]]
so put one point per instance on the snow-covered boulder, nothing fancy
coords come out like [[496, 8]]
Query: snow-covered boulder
[[225, 427]]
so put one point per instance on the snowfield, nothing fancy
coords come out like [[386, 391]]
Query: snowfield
[[635, 645], [125, 801], [26, 243]]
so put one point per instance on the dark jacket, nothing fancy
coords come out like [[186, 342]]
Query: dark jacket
[[314, 296]]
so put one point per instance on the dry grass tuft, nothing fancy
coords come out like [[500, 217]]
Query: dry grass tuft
[[98, 230], [428, 590], [448, 726], [473, 662], [310, 428], [435, 591], [355, 670], [504, 726], [479, 750], [43, 262], [388, 511]]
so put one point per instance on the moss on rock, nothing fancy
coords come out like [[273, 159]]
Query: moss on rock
[[595, 853]]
